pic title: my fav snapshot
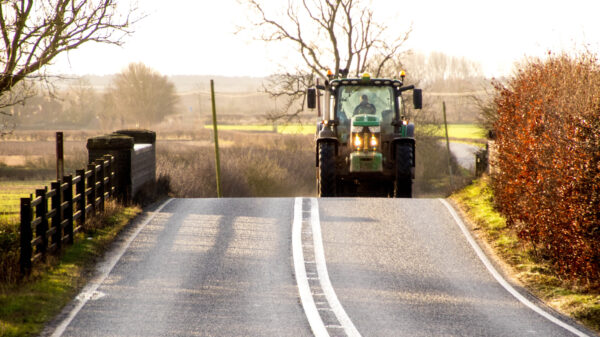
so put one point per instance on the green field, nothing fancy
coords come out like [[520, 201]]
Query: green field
[[11, 193], [463, 131], [303, 129]]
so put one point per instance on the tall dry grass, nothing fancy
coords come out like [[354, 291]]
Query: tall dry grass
[[39, 159], [252, 165], [275, 165]]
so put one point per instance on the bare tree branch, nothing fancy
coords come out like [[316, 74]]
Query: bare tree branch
[[34, 32], [327, 35]]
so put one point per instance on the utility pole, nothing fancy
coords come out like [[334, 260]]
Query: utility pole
[[216, 136], [448, 146]]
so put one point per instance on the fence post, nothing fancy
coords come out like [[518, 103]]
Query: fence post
[[58, 215], [41, 211], [68, 197], [80, 190], [92, 187], [26, 236], [60, 163], [100, 178]]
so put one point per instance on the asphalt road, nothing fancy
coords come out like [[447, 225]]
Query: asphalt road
[[465, 154], [208, 267]]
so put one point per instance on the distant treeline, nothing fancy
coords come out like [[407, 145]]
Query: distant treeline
[[80, 103]]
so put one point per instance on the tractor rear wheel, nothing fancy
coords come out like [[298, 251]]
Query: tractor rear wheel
[[326, 184], [403, 181]]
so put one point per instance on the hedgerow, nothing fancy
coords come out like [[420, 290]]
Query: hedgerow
[[547, 167]]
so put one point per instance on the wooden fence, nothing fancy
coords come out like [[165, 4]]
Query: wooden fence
[[45, 230]]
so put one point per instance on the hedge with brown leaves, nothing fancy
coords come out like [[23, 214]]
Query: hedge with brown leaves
[[547, 178]]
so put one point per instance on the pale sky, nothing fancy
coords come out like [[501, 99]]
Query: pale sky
[[196, 37]]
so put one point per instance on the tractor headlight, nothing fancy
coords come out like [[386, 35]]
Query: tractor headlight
[[373, 142], [357, 141]]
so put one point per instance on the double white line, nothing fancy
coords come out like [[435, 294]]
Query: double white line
[[308, 302]]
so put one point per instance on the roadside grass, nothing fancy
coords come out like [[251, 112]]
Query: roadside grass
[[575, 300], [26, 306]]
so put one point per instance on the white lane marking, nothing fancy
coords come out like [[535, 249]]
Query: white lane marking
[[501, 280], [92, 287], [308, 303], [335, 304]]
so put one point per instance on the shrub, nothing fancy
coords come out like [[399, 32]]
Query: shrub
[[547, 180], [9, 252]]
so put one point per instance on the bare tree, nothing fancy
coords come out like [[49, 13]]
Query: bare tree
[[139, 95], [80, 103], [458, 81], [327, 34], [34, 32]]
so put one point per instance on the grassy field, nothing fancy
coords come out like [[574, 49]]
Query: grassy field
[[462, 131], [298, 129], [10, 194]]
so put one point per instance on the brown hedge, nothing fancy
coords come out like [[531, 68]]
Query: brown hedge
[[547, 177]]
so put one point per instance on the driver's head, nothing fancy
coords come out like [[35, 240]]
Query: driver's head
[[364, 98]]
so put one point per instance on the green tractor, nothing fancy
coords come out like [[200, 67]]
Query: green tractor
[[365, 144]]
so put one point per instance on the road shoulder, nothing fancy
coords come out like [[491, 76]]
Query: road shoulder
[[533, 279]]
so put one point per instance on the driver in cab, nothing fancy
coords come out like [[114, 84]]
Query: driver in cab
[[364, 107]]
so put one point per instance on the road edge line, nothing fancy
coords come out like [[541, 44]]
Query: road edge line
[[93, 285], [328, 290], [308, 303], [501, 279]]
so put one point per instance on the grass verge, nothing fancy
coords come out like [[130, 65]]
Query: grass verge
[[25, 307], [577, 301]]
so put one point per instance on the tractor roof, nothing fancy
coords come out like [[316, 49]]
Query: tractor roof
[[366, 81]]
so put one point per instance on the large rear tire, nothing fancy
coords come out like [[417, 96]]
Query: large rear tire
[[326, 182], [403, 181]]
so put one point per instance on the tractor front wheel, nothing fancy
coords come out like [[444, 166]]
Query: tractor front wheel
[[326, 173], [403, 181]]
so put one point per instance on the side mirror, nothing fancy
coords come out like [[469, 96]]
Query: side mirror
[[311, 98], [417, 98]]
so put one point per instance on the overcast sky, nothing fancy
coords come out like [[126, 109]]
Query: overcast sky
[[196, 37]]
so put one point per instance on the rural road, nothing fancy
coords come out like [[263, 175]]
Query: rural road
[[300, 267], [465, 154]]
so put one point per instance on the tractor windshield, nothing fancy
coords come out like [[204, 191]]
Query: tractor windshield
[[363, 99]]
